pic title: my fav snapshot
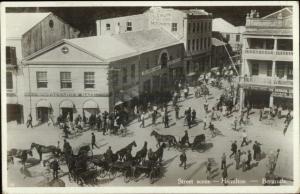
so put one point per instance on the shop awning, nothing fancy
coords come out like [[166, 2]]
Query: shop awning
[[67, 104], [119, 103], [43, 103], [90, 104]]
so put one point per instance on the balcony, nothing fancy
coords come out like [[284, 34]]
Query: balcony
[[269, 23], [263, 54], [267, 81]]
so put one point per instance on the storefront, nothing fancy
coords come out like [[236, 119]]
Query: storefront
[[283, 97], [90, 107], [67, 107], [43, 111]]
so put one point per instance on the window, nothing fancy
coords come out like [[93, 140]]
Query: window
[[133, 71], [193, 44], [201, 43], [147, 66], [280, 71], [171, 57], [124, 75], [290, 71], [89, 80], [198, 27], [208, 42], [227, 37], [201, 27], [255, 68], [51, 23], [204, 42], [204, 27], [65, 80], [189, 45], [41, 78], [11, 55], [178, 53], [197, 44], [209, 26], [237, 38], [269, 69], [194, 27], [9, 80], [174, 27], [187, 67], [189, 27], [129, 26], [107, 26]]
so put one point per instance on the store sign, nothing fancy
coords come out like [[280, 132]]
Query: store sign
[[264, 88], [280, 92], [148, 71], [65, 94]]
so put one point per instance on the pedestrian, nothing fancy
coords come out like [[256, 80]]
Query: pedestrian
[[29, 121], [249, 159], [242, 118], [66, 130], [188, 119], [224, 176], [185, 138], [212, 129], [237, 159], [177, 112], [153, 117], [183, 159], [248, 110], [94, 141], [193, 116], [205, 121], [142, 120], [166, 119], [244, 160], [208, 170], [244, 135], [235, 122], [254, 147], [279, 111], [223, 162], [233, 149], [258, 151], [205, 106], [260, 114], [54, 165]]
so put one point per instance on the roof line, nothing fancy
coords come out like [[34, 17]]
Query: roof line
[[277, 12], [49, 13]]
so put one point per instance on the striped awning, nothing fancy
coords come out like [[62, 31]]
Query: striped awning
[[67, 104], [90, 104], [43, 103]]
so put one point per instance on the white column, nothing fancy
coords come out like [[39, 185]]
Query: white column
[[242, 98], [275, 44], [273, 69], [271, 101]]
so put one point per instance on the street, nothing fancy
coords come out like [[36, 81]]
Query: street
[[269, 134]]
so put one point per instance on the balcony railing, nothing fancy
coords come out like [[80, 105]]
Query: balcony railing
[[269, 23], [268, 52], [265, 81]]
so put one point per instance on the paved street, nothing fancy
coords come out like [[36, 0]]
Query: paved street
[[268, 133]]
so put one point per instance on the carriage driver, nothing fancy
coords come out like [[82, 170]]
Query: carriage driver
[[108, 154], [185, 138]]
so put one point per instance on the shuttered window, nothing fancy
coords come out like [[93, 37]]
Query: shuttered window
[[89, 80], [9, 80], [65, 80], [41, 78]]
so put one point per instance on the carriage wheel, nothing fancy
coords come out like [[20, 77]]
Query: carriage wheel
[[112, 173], [102, 172], [126, 175]]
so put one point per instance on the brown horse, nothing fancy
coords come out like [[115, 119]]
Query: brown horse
[[170, 139], [121, 153], [41, 149]]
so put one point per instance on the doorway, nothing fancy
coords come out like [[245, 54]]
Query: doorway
[[66, 111]]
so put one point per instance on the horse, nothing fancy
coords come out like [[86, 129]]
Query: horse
[[41, 149], [16, 153], [121, 153], [141, 154], [158, 154], [170, 139]]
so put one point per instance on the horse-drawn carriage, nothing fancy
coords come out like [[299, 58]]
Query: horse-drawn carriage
[[199, 143]]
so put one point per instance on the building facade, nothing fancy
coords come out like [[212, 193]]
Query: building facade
[[267, 70], [99, 73], [191, 27], [25, 34], [219, 56]]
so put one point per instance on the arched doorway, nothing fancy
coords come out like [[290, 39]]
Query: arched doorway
[[67, 108]]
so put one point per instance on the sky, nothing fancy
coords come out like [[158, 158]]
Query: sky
[[83, 18]]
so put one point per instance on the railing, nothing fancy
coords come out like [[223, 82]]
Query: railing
[[269, 23], [268, 52], [265, 81]]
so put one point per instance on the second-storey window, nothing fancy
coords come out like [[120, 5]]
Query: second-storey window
[[133, 71], [255, 69], [194, 27], [129, 26], [269, 70], [41, 79], [124, 75], [198, 27], [9, 80], [189, 45], [107, 26], [197, 44], [89, 80], [201, 43], [65, 80], [174, 27], [193, 44]]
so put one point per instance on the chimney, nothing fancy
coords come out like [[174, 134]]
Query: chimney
[[98, 27]]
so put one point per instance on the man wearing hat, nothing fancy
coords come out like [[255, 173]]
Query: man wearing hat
[[183, 159]]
